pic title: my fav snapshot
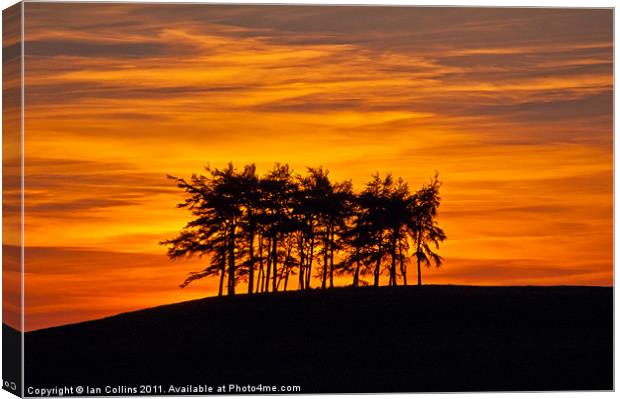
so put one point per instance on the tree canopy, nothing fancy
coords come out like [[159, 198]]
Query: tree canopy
[[274, 229]]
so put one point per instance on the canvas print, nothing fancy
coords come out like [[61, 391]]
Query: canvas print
[[292, 199]]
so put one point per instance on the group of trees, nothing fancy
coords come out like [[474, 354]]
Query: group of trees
[[273, 230]]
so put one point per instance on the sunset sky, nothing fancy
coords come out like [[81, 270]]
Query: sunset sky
[[513, 107]]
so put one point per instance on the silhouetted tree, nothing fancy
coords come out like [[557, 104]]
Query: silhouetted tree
[[397, 215], [250, 201], [315, 190], [331, 204], [340, 211], [278, 193], [227, 201], [424, 227], [205, 234], [373, 213], [403, 260], [267, 230], [357, 242]]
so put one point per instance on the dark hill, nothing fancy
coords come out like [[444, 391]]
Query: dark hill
[[430, 338]]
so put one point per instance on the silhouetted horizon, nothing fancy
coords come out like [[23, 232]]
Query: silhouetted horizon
[[368, 288], [428, 338]]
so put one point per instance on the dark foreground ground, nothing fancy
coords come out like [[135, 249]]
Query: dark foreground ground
[[431, 338]]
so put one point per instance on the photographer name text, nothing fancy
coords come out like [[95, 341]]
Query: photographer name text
[[87, 390]]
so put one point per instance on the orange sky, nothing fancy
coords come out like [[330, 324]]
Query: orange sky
[[511, 107]]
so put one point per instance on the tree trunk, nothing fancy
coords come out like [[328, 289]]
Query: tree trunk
[[287, 262], [259, 280], [418, 259], [356, 274], [331, 258], [231, 261], [378, 265], [403, 267], [302, 260], [251, 266], [325, 259], [261, 271], [286, 267], [393, 268], [286, 278], [222, 274], [269, 258], [275, 263], [309, 271]]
